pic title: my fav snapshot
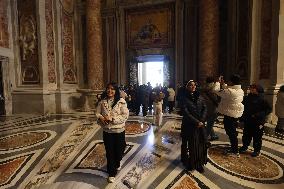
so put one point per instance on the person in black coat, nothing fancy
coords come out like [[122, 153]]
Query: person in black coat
[[256, 110], [193, 131]]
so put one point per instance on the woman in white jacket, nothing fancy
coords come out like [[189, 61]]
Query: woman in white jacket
[[279, 110], [231, 107], [112, 113]]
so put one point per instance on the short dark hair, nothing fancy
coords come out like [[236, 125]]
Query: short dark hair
[[258, 88], [235, 79]]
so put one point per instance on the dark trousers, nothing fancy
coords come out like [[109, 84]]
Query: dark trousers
[[230, 125], [252, 130], [171, 106], [210, 123], [114, 145]]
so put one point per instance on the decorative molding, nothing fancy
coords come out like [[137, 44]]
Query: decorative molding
[[67, 17]]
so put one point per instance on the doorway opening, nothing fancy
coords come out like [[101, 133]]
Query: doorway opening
[[152, 72]]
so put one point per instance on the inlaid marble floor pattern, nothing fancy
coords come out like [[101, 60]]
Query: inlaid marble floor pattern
[[67, 151]]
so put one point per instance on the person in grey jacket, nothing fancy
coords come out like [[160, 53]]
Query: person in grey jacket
[[112, 113], [231, 107]]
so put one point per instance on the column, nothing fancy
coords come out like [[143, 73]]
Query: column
[[208, 39], [94, 45], [255, 41]]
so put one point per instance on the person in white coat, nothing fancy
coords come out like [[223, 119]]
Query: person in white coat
[[112, 113], [171, 98], [231, 107], [279, 110]]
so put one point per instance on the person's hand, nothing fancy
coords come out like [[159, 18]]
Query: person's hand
[[108, 119], [200, 124], [103, 121]]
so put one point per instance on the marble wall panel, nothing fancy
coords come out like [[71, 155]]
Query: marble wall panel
[[67, 17], [266, 39], [4, 36], [50, 41]]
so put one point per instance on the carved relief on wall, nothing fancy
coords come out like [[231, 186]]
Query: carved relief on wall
[[28, 37], [69, 69], [50, 41], [4, 36], [150, 27], [28, 41], [133, 72]]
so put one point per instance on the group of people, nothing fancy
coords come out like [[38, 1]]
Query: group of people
[[199, 109], [145, 96]]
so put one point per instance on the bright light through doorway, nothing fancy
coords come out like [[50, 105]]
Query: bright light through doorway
[[151, 72]]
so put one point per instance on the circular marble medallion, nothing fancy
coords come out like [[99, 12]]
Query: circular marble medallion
[[24, 140], [247, 167], [136, 127]]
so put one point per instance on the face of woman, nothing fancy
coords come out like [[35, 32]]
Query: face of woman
[[191, 87], [110, 91]]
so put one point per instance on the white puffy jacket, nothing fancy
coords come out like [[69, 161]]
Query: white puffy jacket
[[231, 100], [279, 106], [119, 114]]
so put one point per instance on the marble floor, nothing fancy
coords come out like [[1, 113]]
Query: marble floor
[[67, 151]]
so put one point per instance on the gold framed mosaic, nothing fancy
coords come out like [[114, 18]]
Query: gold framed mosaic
[[150, 27]]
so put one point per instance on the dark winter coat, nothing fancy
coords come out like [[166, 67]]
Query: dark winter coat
[[194, 111], [256, 109]]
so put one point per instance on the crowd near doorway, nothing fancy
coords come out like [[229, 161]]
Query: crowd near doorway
[[152, 72]]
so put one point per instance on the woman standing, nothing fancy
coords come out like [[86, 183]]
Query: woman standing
[[112, 113], [193, 131]]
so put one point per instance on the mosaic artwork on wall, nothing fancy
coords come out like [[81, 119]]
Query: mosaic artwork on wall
[[50, 41], [28, 41], [150, 27], [69, 68], [4, 35]]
